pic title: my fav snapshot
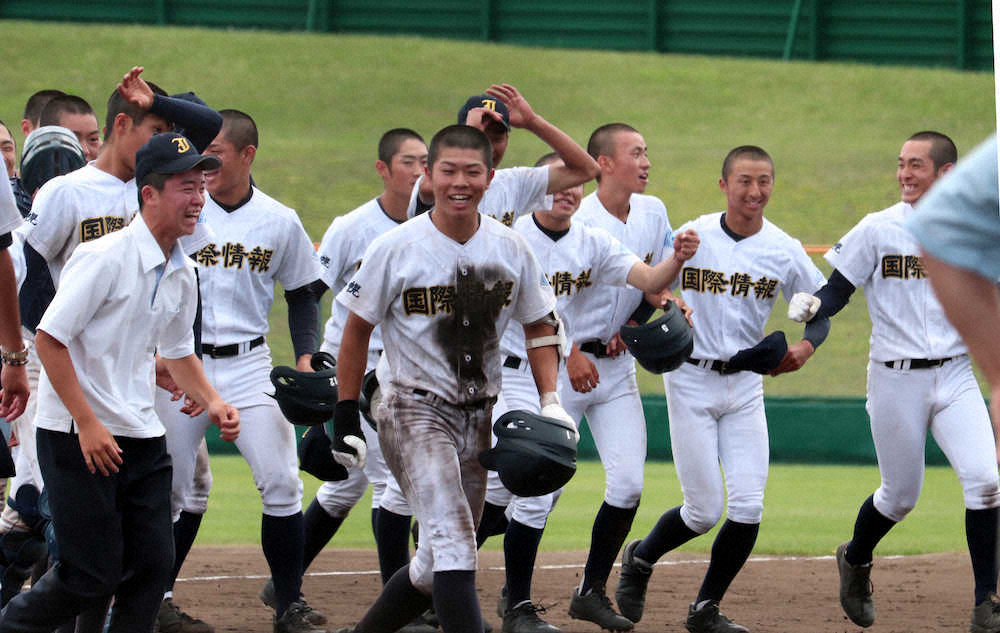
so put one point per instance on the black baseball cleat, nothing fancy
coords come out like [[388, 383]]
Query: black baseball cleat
[[267, 596], [596, 607], [524, 619], [631, 592], [855, 589], [708, 619]]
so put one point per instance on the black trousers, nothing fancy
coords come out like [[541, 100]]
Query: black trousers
[[114, 534]]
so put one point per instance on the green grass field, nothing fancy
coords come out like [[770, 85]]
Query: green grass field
[[807, 510], [322, 101]]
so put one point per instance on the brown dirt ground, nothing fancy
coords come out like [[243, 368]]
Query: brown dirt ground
[[914, 594]]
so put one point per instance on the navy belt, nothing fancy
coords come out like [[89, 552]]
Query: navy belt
[[595, 347], [234, 349], [916, 363]]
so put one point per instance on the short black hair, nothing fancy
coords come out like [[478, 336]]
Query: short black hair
[[752, 152], [37, 101], [63, 104], [545, 159], [389, 144], [602, 140], [943, 150], [117, 104], [461, 137], [4, 126], [154, 180], [239, 128]]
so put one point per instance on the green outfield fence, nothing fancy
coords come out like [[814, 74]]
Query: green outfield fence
[[802, 430], [952, 33]]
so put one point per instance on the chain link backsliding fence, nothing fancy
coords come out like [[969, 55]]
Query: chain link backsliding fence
[[948, 33]]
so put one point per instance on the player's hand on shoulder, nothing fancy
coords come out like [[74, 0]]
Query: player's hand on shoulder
[[135, 90], [795, 358], [99, 448], [583, 375], [686, 244], [803, 306], [521, 114], [226, 417], [349, 448]]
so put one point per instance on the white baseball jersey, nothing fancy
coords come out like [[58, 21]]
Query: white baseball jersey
[[125, 302], [78, 207], [880, 254], [576, 264], [645, 232], [340, 253], [513, 192], [732, 285], [256, 245], [10, 218], [444, 305]]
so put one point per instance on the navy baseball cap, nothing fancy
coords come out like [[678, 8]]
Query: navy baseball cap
[[488, 102], [170, 153]]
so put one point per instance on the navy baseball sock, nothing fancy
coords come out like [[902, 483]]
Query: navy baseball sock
[[396, 606], [374, 521], [281, 538], [493, 522], [611, 526], [392, 539], [869, 529], [319, 527], [185, 530], [731, 549], [456, 602], [669, 533], [520, 546], [981, 533]]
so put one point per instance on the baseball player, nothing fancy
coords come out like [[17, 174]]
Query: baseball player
[[76, 115], [258, 242], [8, 150], [402, 156], [100, 444], [84, 205], [515, 191], [919, 379], [716, 406], [580, 261], [598, 381], [443, 287]]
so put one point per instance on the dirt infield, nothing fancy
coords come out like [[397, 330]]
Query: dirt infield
[[914, 594]]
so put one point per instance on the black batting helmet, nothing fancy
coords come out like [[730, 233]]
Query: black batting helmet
[[662, 344], [307, 398], [49, 151], [534, 455], [316, 455]]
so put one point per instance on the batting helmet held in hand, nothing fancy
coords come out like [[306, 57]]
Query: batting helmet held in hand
[[534, 455], [316, 456], [306, 398], [49, 151], [662, 344]]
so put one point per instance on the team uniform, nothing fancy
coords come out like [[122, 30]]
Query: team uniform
[[442, 307], [919, 378], [340, 254], [256, 245], [716, 416], [121, 300]]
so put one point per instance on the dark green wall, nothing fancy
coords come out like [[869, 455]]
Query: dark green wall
[[802, 430], [953, 33]]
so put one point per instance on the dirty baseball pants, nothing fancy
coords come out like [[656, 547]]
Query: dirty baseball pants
[[114, 534]]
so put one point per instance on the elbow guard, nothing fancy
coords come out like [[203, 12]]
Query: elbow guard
[[558, 339]]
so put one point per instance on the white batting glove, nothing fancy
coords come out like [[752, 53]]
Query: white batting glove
[[350, 459], [556, 412], [803, 307]]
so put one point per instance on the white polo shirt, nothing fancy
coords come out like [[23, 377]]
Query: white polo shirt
[[113, 311]]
